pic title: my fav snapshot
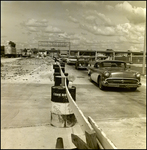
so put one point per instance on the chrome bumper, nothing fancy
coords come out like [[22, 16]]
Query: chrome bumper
[[121, 85]]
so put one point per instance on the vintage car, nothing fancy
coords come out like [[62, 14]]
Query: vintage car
[[71, 60], [63, 57], [114, 73], [82, 63]]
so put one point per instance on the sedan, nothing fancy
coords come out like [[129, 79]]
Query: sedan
[[71, 60], [82, 63], [114, 73]]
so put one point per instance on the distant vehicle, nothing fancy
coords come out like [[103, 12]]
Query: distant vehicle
[[93, 59], [71, 60], [114, 73], [102, 57], [82, 63], [63, 57], [26, 53]]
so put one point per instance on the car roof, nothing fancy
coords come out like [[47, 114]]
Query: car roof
[[72, 56]]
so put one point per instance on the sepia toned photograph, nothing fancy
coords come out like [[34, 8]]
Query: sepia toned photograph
[[73, 74]]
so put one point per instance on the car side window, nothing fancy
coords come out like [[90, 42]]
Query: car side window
[[96, 65]]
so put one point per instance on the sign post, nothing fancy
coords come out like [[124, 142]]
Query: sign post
[[144, 53]]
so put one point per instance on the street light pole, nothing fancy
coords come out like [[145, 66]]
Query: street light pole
[[144, 52], [69, 48]]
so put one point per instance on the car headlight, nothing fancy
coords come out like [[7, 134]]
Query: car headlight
[[107, 74], [80, 65], [138, 75]]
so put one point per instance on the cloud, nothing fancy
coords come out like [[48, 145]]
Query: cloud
[[106, 31], [74, 39], [134, 48], [108, 7], [36, 23], [82, 3], [63, 35], [32, 29], [73, 19], [125, 6], [135, 15], [83, 33], [97, 18], [33, 25], [105, 19], [123, 39], [29, 33], [87, 3], [52, 29], [123, 28], [67, 10], [133, 33], [44, 21], [91, 19]]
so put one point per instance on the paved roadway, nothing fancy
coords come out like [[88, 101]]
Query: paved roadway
[[25, 113]]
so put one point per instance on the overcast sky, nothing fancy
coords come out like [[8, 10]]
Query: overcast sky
[[96, 25]]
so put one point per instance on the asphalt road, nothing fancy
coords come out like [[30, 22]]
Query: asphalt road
[[26, 105]]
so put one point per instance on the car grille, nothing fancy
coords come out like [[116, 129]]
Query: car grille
[[125, 81]]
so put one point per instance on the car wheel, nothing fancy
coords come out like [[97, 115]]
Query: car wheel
[[90, 78], [133, 89], [100, 83]]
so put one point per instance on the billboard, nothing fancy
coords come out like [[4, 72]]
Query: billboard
[[52, 44]]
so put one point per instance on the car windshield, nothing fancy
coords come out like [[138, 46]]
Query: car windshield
[[113, 64]]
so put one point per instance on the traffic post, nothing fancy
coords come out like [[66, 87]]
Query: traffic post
[[61, 113]]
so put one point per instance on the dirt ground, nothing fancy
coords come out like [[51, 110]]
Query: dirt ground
[[28, 70]]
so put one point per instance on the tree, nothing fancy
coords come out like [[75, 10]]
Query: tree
[[53, 49], [12, 44]]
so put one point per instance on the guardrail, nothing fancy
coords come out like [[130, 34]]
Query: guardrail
[[95, 137]]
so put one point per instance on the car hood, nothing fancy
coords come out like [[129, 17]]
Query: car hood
[[124, 73]]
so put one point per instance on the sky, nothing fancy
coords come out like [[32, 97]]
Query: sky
[[87, 25]]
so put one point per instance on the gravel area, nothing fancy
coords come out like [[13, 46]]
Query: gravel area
[[27, 69]]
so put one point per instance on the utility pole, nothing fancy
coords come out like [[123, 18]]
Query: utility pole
[[144, 53], [69, 48]]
